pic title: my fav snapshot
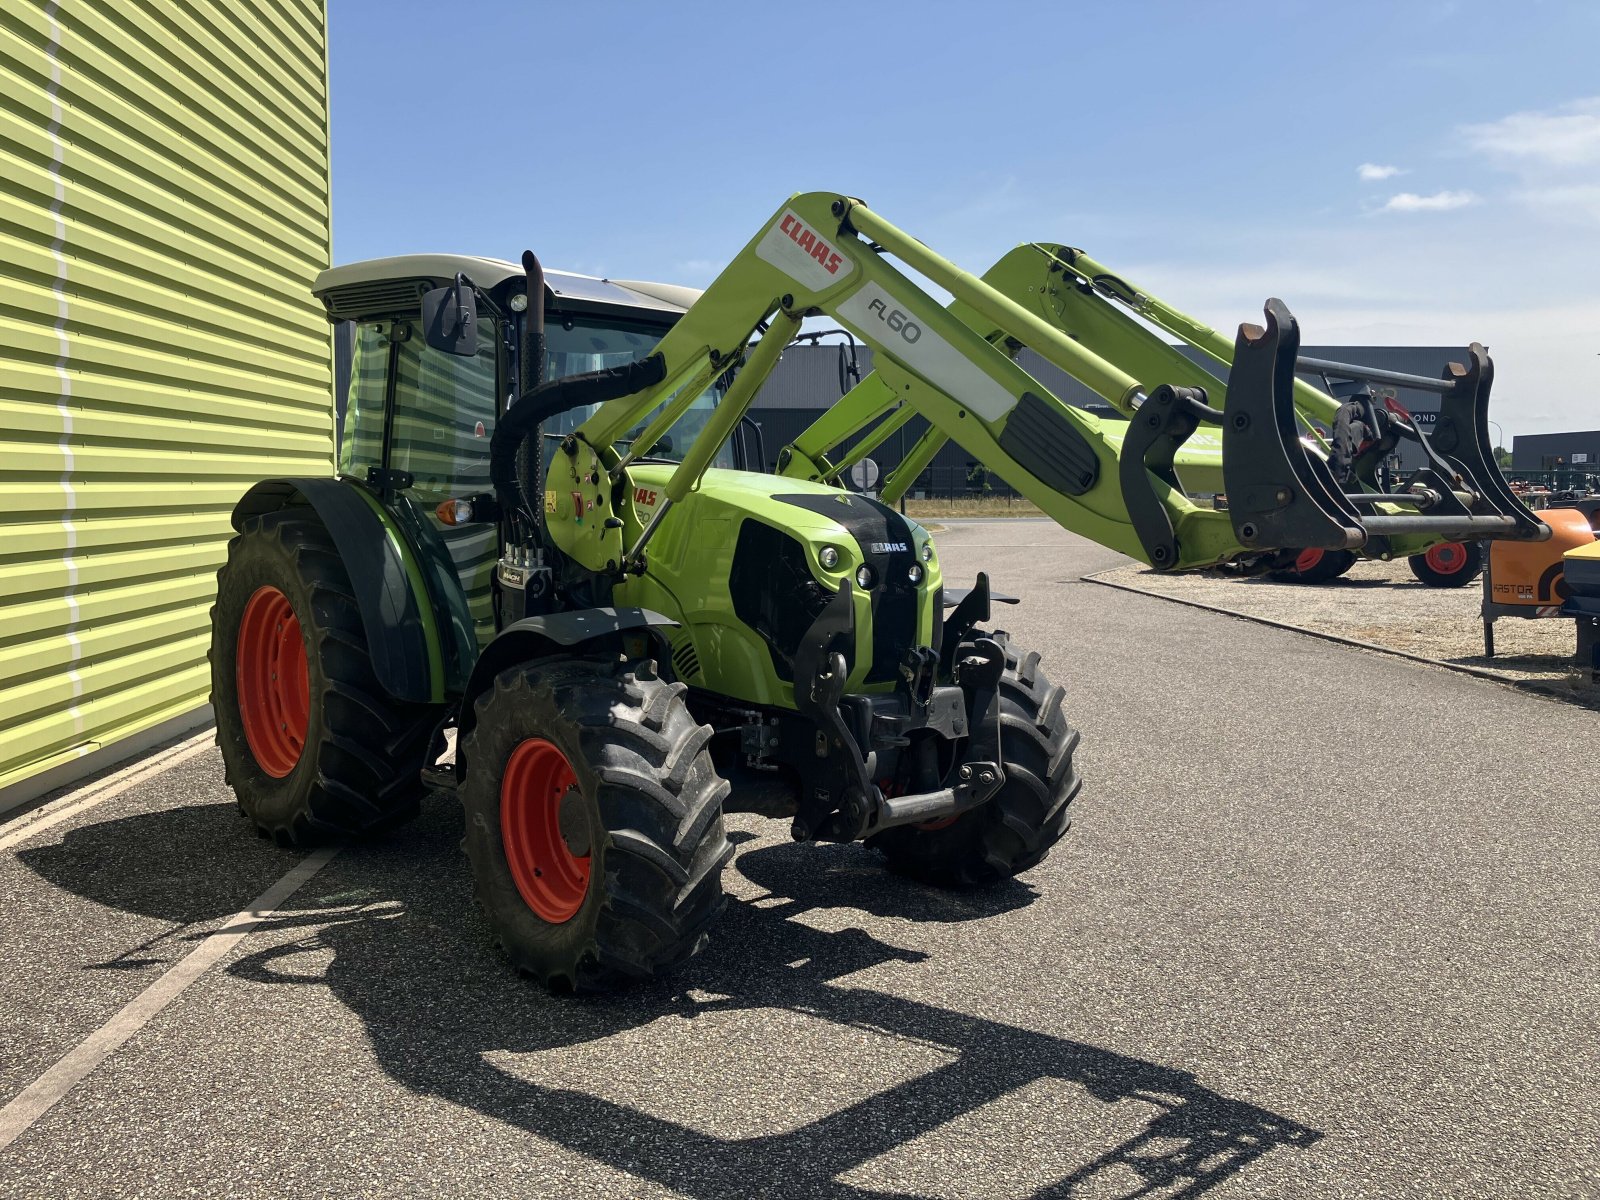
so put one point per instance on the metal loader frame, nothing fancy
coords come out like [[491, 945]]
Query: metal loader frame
[[1174, 404], [825, 253]]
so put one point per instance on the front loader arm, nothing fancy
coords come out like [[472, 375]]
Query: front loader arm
[[1035, 276], [808, 260], [1078, 298], [826, 253]]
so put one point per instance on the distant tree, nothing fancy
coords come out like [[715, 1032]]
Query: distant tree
[[1502, 457]]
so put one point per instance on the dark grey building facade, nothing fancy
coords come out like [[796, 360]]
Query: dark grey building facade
[[1578, 452]]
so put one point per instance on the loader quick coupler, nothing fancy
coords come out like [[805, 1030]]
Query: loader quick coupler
[[1166, 419], [1281, 495], [969, 609]]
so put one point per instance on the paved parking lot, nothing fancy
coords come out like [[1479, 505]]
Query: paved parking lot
[[1327, 925]]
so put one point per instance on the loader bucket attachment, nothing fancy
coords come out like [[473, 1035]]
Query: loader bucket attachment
[[1462, 438], [1281, 495]]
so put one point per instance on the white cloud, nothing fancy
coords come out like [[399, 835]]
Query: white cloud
[[1372, 172], [1438, 202], [1565, 136]]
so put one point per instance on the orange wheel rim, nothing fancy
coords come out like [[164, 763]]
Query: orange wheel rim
[[273, 681], [1307, 560], [551, 879], [1446, 558]]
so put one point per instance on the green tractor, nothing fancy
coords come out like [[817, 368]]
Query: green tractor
[[542, 579]]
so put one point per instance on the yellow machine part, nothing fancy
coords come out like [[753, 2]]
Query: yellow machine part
[[1530, 573]]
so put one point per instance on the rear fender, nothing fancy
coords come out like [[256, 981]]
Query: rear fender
[[396, 612]]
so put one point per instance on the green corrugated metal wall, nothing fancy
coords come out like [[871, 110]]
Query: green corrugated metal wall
[[163, 210]]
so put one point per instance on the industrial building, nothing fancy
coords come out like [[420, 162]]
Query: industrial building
[[1578, 453], [164, 208]]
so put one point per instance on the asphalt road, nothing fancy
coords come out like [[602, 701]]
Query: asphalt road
[[1326, 925]]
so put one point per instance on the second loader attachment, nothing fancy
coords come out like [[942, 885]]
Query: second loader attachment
[[1282, 495], [1290, 488]]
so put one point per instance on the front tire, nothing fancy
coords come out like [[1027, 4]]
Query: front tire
[[1032, 811], [312, 745], [1449, 564], [593, 822]]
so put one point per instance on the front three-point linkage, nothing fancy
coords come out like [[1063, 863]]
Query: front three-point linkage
[[845, 803]]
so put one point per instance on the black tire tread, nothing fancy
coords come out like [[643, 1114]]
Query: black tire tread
[[656, 881], [1331, 565], [366, 750]]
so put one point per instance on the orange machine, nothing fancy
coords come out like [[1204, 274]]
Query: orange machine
[[1525, 579]]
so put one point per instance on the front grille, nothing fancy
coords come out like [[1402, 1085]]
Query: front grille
[[886, 545], [774, 592]]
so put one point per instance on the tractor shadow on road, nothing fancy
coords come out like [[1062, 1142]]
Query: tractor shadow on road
[[755, 1070]]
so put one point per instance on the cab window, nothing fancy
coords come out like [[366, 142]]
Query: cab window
[[576, 346]]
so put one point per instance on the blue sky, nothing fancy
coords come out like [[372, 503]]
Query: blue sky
[[1423, 173]]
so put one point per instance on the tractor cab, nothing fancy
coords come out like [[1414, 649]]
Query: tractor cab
[[592, 324], [415, 423]]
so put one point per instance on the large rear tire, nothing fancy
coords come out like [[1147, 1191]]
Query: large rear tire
[[1449, 564], [593, 822], [311, 744], [1032, 811], [1317, 566]]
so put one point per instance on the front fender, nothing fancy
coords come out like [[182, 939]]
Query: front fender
[[540, 637], [396, 611]]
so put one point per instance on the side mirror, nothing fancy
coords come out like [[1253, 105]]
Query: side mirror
[[450, 318]]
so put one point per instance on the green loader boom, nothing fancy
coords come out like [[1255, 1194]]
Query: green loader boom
[[1110, 317], [823, 253]]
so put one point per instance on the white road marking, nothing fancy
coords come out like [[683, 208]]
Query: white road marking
[[42, 1094], [73, 803]]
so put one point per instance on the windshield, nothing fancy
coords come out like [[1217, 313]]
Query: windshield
[[577, 345]]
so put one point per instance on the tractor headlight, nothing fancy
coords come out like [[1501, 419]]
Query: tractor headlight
[[828, 557], [927, 551], [519, 302], [864, 577], [914, 573]]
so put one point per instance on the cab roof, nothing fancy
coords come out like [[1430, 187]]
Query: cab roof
[[393, 287]]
